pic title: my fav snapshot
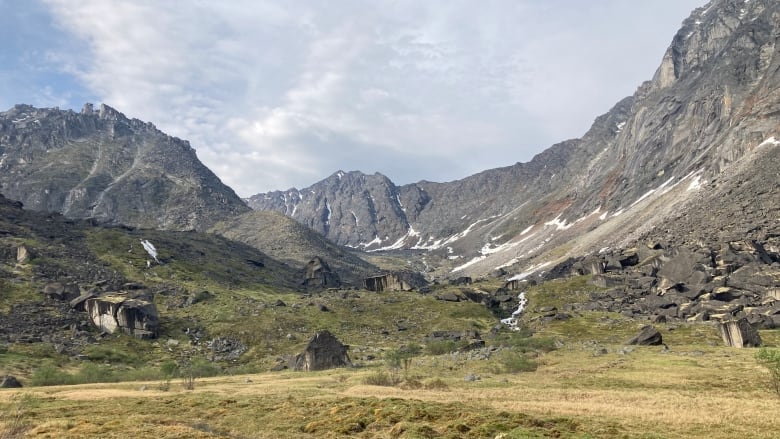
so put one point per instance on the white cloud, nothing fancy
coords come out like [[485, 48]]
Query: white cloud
[[275, 94]]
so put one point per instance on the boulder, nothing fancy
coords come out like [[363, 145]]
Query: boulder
[[739, 334], [318, 274], [683, 267], [58, 291], [112, 312], [10, 382], [398, 281], [648, 336], [23, 254], [324, 351], [463, 280], [448, 297]]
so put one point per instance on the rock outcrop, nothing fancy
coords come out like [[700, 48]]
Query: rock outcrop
[[125, 312], [739, 334], [317, 274], [398, 281], [324, 351]]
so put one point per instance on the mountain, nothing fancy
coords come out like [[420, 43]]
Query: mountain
[[285, 240], [712, 107], [99, 164]]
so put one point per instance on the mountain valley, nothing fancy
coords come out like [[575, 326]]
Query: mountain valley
[[609, 287]]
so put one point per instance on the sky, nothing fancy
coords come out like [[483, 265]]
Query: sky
[[276, 94]]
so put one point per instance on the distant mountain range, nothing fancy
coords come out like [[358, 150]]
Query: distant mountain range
[[713, 103], [699, 138]]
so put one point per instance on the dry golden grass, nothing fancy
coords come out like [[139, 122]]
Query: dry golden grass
[[688, 392]]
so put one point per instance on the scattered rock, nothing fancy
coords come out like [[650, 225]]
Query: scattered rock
[[739, 334], [648, 336], [10, 382], [471, 377]]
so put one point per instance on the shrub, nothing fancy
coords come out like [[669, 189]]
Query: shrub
[[515, 362], [436, 384], [169, 369], [442, 347], [106, 354], [770, 358], [50, 375], [380, 378], [93, 373]]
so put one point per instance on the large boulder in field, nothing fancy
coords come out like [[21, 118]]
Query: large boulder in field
[[739, 334], [648, 336], [317, 273], [397, 281], [10, 382], [135, 315], [324, 351]]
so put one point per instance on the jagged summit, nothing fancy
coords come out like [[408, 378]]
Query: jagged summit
[[713, 101], [100, 164]]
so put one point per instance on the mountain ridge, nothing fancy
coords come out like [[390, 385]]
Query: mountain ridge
[[99, 164], [711, 102]]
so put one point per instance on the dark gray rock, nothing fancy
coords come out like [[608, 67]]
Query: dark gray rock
[[317, 273], [10, 382], [648, 336], [324, 351]]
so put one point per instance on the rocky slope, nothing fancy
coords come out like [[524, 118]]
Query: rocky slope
[[58, 277], [712, 103], [286, 240], [100, 164]]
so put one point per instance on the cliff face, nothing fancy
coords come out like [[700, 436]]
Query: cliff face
[[100, 164], [714, 99]]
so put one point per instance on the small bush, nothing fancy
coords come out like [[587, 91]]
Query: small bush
[[105, 354], [436, 384], [380, 378], [94, 373], [515, 362], [188, 382], [169, 369], [50, 375], [770, 358], [442, 347], [200, 368]]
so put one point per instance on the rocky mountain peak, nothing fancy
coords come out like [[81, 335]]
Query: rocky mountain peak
[[711, 103], [109, 168]]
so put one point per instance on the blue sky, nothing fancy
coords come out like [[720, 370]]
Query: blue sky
[[276, 94]]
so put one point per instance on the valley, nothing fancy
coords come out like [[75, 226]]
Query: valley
[[623, 284]]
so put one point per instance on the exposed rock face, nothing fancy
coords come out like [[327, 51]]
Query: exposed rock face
[[100, 164], [22, 254], [324, 351], [112, 312], [710, 108], [401, 281], [739, 334], [317, 273]]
